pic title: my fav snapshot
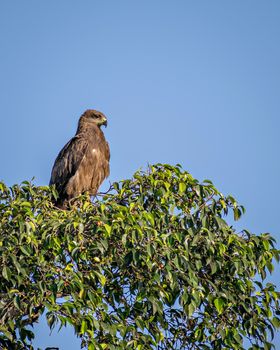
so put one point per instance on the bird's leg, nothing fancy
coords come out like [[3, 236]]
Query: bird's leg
[[85, 197], [75, 203]]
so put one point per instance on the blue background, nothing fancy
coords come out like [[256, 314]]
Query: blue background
[[190, 82]]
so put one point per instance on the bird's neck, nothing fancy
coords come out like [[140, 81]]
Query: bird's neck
[[86, 127]]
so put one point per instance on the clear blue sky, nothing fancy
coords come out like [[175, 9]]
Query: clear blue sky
[[191, 82]]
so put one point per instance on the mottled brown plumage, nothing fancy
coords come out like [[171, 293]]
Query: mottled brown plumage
[[83, 163]]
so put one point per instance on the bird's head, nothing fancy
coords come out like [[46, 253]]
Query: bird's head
[[94, 117]]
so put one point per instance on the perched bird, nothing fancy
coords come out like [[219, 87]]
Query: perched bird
[[83, 163]]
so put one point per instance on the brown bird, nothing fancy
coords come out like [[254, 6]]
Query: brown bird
[[83, 163]]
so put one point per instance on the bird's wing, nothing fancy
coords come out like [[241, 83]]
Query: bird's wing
[[108, 155], [68, 161]]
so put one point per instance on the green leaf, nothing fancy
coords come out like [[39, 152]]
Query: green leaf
[[25, 204], [26, 250], [191, 309], [182, 187], [276, 322], [265, 244], [150, 250], [91, 346], [17, 302], [219, 304], [108, 228], [6, 273], [83, 326], [101, 278]]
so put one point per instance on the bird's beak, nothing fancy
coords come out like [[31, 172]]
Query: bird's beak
[[105, 123]]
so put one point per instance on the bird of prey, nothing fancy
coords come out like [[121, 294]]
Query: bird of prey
[[83, 163]]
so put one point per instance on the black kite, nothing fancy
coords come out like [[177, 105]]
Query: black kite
[[83, 163]]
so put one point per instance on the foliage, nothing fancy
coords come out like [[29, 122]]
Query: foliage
[[153, 265]]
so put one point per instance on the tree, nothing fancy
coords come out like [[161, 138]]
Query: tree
[[151, 265]]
